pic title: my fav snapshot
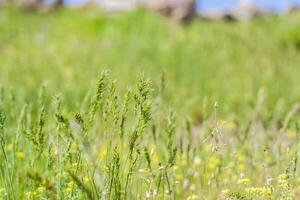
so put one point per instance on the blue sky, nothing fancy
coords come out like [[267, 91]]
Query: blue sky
[[206, 5], [274, 5]]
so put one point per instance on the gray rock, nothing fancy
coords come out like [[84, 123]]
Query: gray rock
[[39, 5], [118, 5], [178, 10], [245, 10]]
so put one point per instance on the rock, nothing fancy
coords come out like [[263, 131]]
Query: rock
[[39, 5], [178, 10], [2, 2], [30, 5], [245, 10], [117, 5]]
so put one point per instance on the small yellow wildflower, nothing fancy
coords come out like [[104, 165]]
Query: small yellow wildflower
[[41, 189], [284, 185], [244, 181], [192, 197], [179, 177], [291, 133], [86, 179], [70, 187], [234, 177], [30, 194], [20, 155], [154, 159], [283, 176], [241, 157], [102, 153], [73, 146], [213, 162], [144, 170], [241, 167], [259, 191], [226, 192]]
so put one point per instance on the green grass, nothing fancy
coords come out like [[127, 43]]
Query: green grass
[[83, 135]]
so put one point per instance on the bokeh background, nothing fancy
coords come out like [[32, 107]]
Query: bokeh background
[[215, 59]]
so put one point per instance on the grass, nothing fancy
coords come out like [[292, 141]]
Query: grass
[[217, 118]]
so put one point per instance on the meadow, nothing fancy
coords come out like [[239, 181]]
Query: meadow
[[133, 106]]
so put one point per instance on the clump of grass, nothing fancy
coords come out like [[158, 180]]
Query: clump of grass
[[126, 146]]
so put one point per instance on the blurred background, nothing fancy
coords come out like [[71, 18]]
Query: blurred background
[[214, 50]]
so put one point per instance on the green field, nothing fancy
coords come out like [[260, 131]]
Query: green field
[[133, 106]]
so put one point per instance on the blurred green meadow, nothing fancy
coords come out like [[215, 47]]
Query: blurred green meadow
[[234, 88]]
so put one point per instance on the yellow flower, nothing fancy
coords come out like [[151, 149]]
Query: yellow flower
[[30, 194], [213, 162], [73, 146], [68, 190], [291, 133], [207, 147], [241, 157], [241, 167], [144, 170], [226, 192], [284, 185], [179, 177], [86, 179], [20, 155], [234, 177], [70, 187], [41, 189], [259, 191], [192, 197], [154, 159], [244, 181], [102, 153], [283, 176]]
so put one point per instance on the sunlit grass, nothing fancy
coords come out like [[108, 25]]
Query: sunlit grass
[[217, 118]]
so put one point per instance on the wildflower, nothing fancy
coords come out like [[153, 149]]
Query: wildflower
[[183, 161], [291, 133], [41, 189], [213, 162], [175, 167], [144, 170], [179, 177], [259, 191], [102, 153], [86, 179], [234, 177], [73, 146], [283, 176], [226, 192], [244, 181], [70, 187], [241, 157], [269, 158], [20, 155], [30, 194], [154, 158], [192, 197], [241, 167], [284, 185]]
